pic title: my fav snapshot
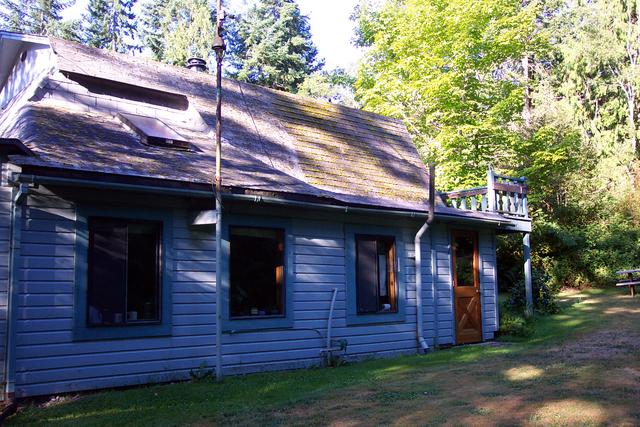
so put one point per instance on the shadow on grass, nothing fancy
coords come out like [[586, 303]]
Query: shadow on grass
[[255, 399]]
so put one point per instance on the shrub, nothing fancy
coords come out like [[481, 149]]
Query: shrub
[[515, 325], [544, 295]]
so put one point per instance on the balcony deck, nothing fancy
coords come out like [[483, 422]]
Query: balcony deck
[[503, 197]]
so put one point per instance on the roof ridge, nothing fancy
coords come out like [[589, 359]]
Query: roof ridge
[[210, 78]]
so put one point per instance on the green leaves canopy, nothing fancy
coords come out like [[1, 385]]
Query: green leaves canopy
[[450, 70]]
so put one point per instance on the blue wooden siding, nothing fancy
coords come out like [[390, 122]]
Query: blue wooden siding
[[47, 358], [319, 263], [488, 283], [444, 283], [50, 361]]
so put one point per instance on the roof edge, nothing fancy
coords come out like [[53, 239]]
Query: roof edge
[[29, 38]]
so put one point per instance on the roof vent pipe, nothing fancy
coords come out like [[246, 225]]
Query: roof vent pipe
[[197, 64]]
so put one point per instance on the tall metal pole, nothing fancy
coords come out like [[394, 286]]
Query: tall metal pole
[[218, 46]]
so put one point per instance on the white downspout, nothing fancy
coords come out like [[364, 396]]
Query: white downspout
[[418, 255], [16, 223], [418, 264]]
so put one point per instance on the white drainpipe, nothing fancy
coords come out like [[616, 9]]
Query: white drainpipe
[[419, 323], [418, 264]]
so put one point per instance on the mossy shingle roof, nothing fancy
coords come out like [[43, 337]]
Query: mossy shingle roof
[[273, 141]]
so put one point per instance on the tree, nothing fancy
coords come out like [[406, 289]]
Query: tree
[[14, 14], [152, 35], [111, 24], [332, 86], [175, 30], [273, 46], [41, 17], [600, 43], [452, 71]]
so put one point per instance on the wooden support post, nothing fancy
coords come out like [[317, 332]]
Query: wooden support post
[[491, 194], [528, 289]]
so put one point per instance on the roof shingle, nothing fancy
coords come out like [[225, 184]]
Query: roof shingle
[[273, 141]]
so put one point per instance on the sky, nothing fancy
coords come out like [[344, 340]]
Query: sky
[[331, 29]]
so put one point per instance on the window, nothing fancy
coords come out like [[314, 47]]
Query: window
[[256, 270], [464, 251], [153, 131], [376, 288], [124, 272]]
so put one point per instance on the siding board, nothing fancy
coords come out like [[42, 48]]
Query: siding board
[[50, 361]]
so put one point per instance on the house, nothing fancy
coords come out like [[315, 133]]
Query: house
[[108, 266]]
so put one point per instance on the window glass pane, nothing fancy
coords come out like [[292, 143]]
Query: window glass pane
[[464, 246], [107, 273], [382, 275], [256, 272], [143, 272], [124, 272], [366, 275], [376, 289]]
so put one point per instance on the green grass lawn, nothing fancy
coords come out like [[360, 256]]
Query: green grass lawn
[[561, 375]]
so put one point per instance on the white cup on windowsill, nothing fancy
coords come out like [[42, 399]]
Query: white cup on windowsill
[[117, 318], [132, 315]]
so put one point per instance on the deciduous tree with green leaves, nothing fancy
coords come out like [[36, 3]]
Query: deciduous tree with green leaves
[[332, 86], [452, 70]]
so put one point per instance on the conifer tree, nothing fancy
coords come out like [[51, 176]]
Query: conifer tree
[[175, 30], [272, 46], [111, 24], [41, 17], [152, 35]]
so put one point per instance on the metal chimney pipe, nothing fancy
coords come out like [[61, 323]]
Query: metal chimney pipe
[[197, 64]]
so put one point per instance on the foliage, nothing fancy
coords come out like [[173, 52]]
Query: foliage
[[544, 89], [272, 46], [202, 373], [450, 70], [111, 24], [544, 295], [42, 17], [188, 28], [515, 325], [331, 86], [151, 33]]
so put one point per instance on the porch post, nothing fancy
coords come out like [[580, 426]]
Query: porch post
[[491, 194], [528, 289]]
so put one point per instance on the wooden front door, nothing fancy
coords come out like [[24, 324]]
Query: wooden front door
[[466, 287]]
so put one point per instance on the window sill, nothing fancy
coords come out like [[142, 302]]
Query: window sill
[[377, 318], [257, 323], [121, 332]]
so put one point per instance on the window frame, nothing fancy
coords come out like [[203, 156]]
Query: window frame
[[230, 324], [82, 330], [353, 317]]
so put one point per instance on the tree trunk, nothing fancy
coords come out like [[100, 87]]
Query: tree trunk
[[526, 110]]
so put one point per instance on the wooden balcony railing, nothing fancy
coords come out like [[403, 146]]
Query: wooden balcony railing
[[503, 194]]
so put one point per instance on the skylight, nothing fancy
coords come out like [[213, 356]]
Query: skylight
[[154, 132]]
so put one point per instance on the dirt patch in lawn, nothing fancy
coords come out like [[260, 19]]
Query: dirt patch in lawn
[[591, 379], [581, 368]]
